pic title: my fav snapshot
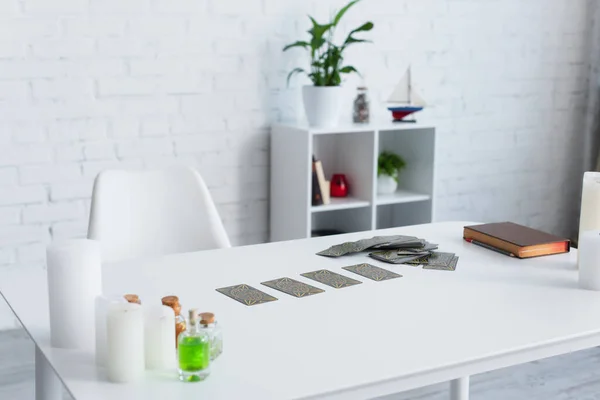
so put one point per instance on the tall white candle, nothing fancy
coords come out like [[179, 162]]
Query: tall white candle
[[125, 342], [590, 202], [589, 260], [159, 336], [102, 304], [74, 280]]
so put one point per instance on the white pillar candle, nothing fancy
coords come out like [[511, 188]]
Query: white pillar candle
[[590, 203], [74, 280], [125, 342], [102, 304], [589, 260], [159, 336]]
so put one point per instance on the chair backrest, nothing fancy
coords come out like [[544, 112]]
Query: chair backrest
[[149, 213]]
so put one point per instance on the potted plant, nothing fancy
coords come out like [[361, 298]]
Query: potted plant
[[322, 100], [389, 166]]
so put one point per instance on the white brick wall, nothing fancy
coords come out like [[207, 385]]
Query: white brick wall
[[87, 85]]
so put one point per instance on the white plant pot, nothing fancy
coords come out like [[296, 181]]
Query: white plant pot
[[386, 184], [322, 105]]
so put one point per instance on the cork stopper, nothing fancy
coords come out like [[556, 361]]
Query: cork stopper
[[173, 302], [207, 318], [170, 301], [133, 298], [193, 315]]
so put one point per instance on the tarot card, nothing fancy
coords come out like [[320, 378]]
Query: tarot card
[[436, 258], [412, 252], [246, 294], [331, 279], [413, 244], [392, 257], [449, 267], [358, 246], [404, 242], [293, 287], [372, 272]]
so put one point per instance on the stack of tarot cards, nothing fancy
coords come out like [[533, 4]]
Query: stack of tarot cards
[[398, 249]]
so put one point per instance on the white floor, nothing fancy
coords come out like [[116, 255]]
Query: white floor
[[571, 377]]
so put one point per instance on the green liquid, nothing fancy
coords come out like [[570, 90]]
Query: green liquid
[[194, 354]]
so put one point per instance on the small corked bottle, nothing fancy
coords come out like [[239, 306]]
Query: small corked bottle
[[194, 351], [173, 302], [133, 298], [215, 334]]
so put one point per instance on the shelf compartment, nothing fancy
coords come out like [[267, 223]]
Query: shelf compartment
[[401, 196], [341, 203], [403, 214], [345, 220]]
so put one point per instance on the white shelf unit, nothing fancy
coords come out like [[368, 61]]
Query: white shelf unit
[[401, 196], [351, 150], [343, 203]]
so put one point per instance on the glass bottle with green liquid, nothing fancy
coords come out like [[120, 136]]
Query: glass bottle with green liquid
[[193, 351]]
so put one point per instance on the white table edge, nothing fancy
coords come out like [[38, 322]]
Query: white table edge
[[446, 373], [48, 382]]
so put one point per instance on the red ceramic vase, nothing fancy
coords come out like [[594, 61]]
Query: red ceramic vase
[[339, 186]]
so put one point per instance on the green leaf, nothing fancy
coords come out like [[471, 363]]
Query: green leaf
[[294, 72], [347, 69], [341, 13], [297, 44], [351, 40], [316, 43], [367, 26], [318, 30]]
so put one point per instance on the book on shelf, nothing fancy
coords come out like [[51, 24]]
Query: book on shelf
[[516, 240], [317, 196], [324, 184]]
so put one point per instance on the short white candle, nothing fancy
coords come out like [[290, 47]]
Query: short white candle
[[102, 304], [589, 260], [125, 342], [159, 337]]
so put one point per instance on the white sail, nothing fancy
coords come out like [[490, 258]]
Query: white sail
[[404, 92], [416, 99], [401, 93]]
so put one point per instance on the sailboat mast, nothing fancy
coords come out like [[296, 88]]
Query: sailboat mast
[[409, 84]]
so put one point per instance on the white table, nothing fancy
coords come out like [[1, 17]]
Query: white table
[[360, 342]]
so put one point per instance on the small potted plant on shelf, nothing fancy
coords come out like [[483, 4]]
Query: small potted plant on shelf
[[389, 166], [322, 100]]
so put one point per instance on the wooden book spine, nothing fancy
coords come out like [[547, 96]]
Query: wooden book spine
[[511, 249], [317, 196], [323, 184]]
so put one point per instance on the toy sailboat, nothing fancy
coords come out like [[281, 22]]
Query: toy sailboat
[[405, 100]]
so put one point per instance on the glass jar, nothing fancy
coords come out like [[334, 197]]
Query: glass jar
[[361, 106], [194, 351], [215, 334], [173, 302]]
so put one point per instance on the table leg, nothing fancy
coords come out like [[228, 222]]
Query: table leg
[[47, 384], [459, 389]]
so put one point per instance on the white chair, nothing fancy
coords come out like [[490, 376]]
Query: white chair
[[150, 213]]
